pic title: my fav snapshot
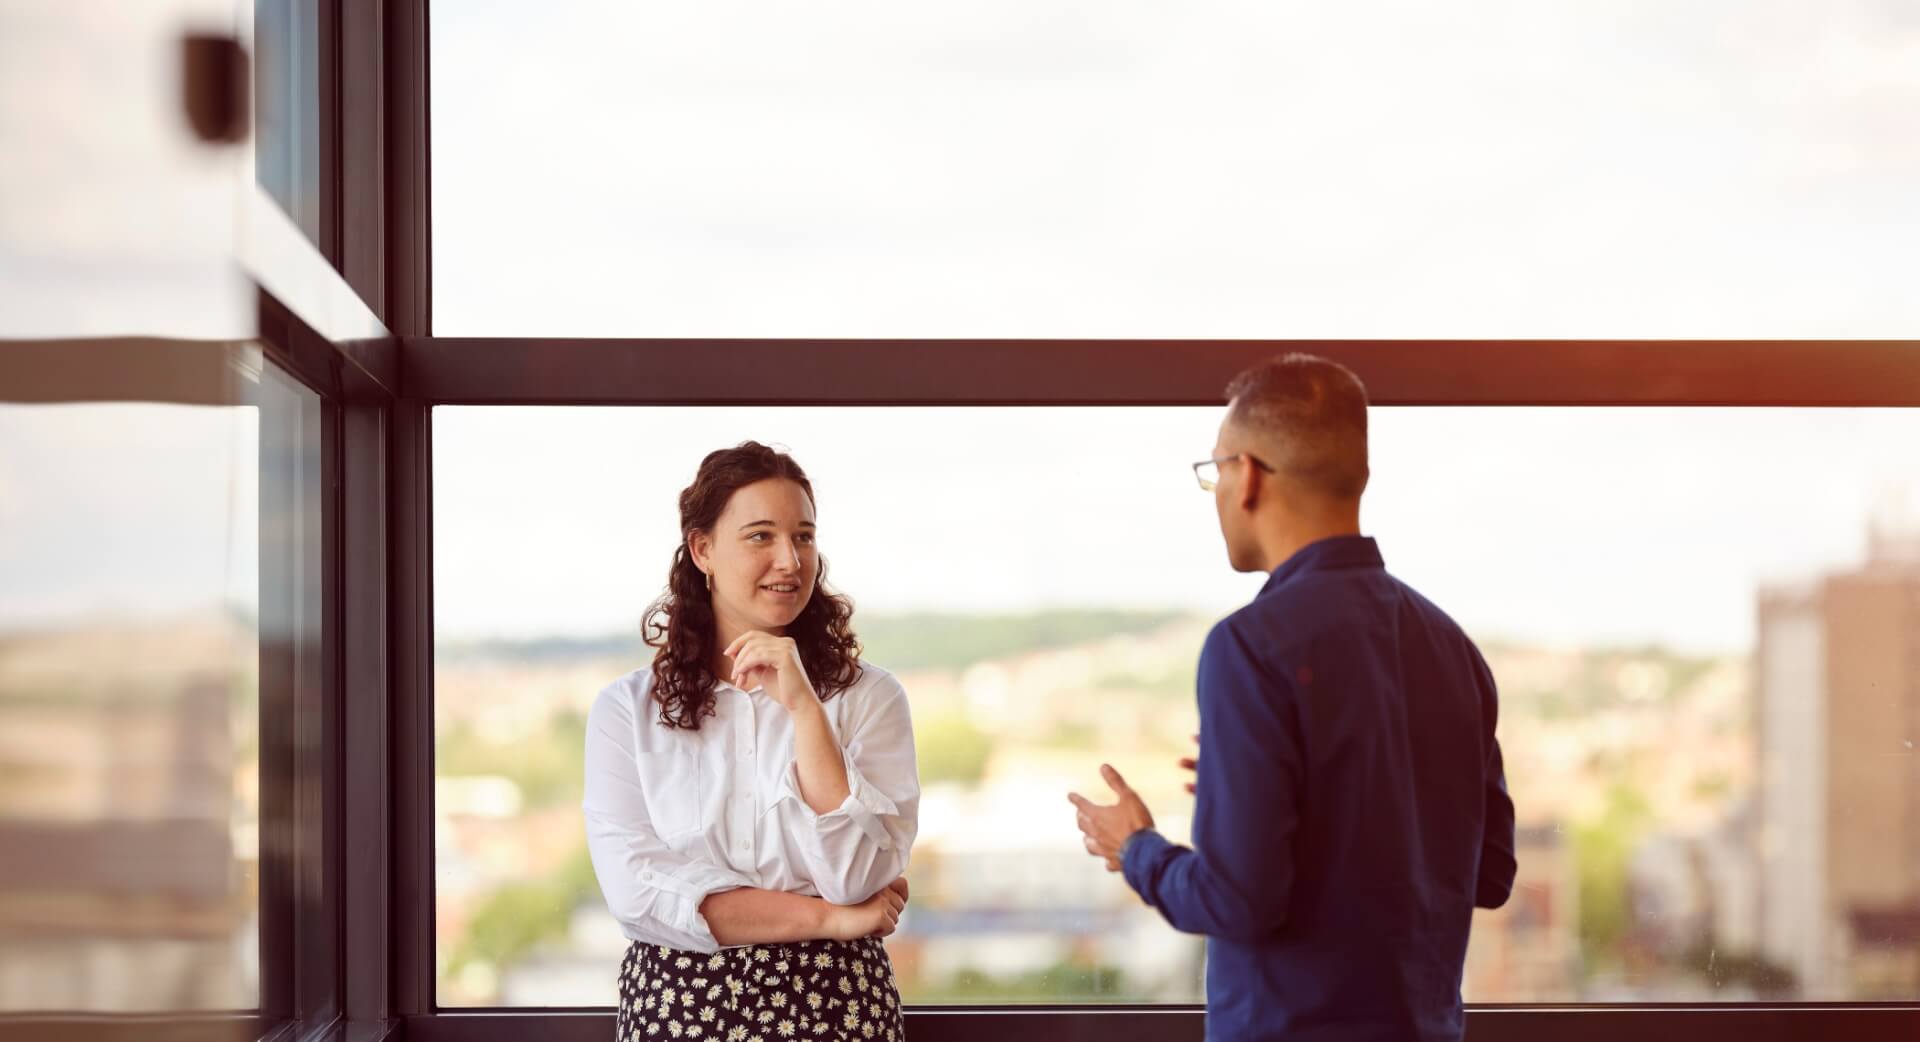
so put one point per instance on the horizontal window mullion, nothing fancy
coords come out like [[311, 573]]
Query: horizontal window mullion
[[515, 371]]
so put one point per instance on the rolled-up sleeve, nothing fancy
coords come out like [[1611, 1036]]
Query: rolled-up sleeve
[[855, 849], [652, 890]]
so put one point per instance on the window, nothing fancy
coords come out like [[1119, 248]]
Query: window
[[1738, 584], [159, 605], [1070, 169], [1028, 171]]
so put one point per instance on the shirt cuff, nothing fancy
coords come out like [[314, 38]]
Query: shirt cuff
[[864, 805], [1139, 859], [685, 889]]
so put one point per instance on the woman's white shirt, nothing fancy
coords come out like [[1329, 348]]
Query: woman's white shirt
[[675, 815]]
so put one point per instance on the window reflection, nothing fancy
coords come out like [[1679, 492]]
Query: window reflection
[[286, 36], [146, 569]]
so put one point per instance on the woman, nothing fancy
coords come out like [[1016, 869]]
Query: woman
[[752, 797]]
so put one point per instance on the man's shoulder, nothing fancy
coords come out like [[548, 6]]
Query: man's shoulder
[[1307, 612], [1433, 612], [1257, 635], [1437, 620], [1285, 618]]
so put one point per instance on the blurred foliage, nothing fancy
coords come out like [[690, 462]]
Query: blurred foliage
[[1716, 784], [1175, 680], [1597, 684], [951, 749], [1072, 734], [936, 641], [1061, 982], [547, 765], [1603, 848], [519, 916]]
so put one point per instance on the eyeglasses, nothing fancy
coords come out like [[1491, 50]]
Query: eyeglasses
[[1207, 471]]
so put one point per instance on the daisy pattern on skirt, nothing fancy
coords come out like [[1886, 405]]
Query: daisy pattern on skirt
[[816, 991]]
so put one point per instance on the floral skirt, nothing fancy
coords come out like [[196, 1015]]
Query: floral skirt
[[837, 990]]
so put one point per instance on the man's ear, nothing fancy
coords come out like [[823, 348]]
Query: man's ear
[[1250, 488]]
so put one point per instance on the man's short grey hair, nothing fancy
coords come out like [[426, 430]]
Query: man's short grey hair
[[1313, 414]]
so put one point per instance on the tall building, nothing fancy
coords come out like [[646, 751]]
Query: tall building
[[1838, 666]]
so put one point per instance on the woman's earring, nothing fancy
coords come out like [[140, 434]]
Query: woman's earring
[[709, 576]]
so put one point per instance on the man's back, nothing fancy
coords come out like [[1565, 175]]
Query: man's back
[[1350, 813]]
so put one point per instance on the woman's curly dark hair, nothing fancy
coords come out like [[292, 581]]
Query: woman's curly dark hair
[[680, 626]]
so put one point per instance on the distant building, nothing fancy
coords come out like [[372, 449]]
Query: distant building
[[1838, 666], [1001, 889], [1697, 891]]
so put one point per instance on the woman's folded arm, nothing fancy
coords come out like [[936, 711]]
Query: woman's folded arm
[[858, 846]]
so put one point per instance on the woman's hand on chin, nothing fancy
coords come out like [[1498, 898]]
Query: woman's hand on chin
[[773, 662]]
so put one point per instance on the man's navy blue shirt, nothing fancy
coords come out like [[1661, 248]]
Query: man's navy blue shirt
[[1351, 809]]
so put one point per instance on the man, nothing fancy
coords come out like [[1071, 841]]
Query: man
[[1351, 807]]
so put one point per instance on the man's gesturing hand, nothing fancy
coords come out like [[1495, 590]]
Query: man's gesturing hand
[[1107, 828]]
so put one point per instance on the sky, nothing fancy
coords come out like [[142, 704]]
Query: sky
[[1117, 168]]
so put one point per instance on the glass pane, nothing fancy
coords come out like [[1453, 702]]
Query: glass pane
[[1743, 585], [286, 149], [147, 579], [1063, 168], [300, 924]]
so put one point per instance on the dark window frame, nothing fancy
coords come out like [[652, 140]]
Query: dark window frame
[[331, 938], [309, 933], [638, 371]]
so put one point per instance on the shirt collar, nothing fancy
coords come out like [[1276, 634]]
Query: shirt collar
[[1341, 551]]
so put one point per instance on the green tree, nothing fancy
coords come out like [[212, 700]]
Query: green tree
[[516, 918], [950, 749], [938, 641], [1603, 848], [547, 765], [1061, 982]]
